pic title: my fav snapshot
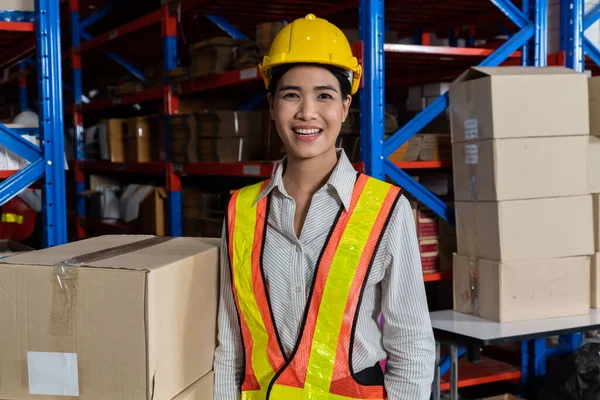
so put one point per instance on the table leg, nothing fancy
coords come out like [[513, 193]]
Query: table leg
[[436, 379], [453, 373]]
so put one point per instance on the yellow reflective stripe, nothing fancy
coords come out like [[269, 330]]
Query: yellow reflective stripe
[[12, 218], [339, 281], [292, 393], [243, 240]]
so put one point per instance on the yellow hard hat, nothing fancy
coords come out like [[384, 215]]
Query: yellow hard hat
[[311, 40]]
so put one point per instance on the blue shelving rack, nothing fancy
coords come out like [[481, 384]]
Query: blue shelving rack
[[46, 161]]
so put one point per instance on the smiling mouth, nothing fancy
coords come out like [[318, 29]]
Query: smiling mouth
[[307, 132]]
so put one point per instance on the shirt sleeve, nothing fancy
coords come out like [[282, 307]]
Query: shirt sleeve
[[407, 333], [228, 362]]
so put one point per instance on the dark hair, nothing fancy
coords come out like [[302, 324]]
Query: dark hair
[[341, 75]]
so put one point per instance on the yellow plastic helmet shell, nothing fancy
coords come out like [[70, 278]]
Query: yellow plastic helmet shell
[[311, 40]]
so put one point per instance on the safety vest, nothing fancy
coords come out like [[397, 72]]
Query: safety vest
[[320, 365]]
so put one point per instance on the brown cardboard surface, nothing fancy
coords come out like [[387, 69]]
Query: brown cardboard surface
[[595, 281], [521, 168], [146, 205], [112, 133], [522, 290], [202, 389], [504, 397], [20, 5], [142, 142], [142, 324], [525, 229], [594, 100], [596, 217], [594, 163], [509, 102]]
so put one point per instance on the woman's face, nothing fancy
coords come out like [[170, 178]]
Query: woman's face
[[308, 110]]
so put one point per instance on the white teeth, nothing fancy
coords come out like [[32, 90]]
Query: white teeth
[[307, 131]]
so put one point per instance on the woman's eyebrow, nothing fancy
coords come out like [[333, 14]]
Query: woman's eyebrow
[[325, 87], [289, 88]]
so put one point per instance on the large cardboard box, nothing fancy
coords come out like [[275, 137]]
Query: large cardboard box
[[522, 290], [510, 102], [594, 103], [520, 168], [143, 143], [525, 229], [596, 216], [114, 317], [202, 389], [144, 207], [19, 5], [111, 137], [594, 163], [212, 56], [595, 281]]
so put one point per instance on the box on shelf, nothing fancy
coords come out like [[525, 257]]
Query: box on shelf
[[212, 56], [18, 5], [522, 290], [426, 221], [435, 147], [198, 203], [144, 207], [352, 124], [129, 88], [203, 227], [520, 168], [265, 34], [510, 102], [103, 200], [143, 143], [409, 151], [111, 139], [594, 104], [596, 214], [119, 317], [525, 229], [430, 254]]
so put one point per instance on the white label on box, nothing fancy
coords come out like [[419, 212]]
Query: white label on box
[[471, 129], [471, 153], [53, 374], [251, 170], [248, 73]]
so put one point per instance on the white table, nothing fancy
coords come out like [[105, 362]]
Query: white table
[[462, 330]]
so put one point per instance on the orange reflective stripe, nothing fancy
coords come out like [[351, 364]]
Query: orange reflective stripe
[[295, 374], [343, 383], [246, 222]]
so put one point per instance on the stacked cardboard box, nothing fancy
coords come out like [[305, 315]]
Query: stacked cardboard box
[[426, 223], [592, 33], [218, 136], [594, 184], [114, 317], [20, 5], [523, 209], [265, 34], [213, 56], [143, 142], [419, 97], [203, 212], [424, 147]]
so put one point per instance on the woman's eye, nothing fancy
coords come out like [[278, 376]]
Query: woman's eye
[[325, 96], [290, 96]]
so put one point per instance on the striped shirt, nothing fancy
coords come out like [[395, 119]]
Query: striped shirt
[[395, 288]]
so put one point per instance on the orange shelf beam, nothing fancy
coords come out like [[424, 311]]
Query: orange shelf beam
[[157, 167], [486, 371], [17, 26], [437, 276]]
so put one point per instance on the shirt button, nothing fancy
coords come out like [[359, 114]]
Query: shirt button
[[298, 289]]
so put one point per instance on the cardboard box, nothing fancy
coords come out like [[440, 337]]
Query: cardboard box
[[596, 216], [409, 151], [111, 138], [595, 281], [522, 290], [203, 227], [144, 204], [266, 33], [352, 124], [142, 140], [114, 317], [521, 168], [448, 246], [19, 5], [435, 147], [212, 56], [202, 389], [594, 104], [510, 102], [103, 200], [593, 163], [525, 229], [430, 254]]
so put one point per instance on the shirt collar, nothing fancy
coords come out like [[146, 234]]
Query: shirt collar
[[342, 179]]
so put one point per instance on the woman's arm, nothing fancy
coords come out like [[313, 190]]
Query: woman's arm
[[407, 333], [228, 356]]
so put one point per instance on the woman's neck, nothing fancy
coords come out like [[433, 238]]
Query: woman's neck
[[306, 176]]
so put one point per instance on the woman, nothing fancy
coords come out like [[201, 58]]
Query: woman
[[312, 257]]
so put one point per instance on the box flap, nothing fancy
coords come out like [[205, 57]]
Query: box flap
[[482, 72], [55, 255]]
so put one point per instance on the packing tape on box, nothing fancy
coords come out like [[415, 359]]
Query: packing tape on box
[[66, 275]]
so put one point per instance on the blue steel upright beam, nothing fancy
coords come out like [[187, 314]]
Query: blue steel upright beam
[[372, 113], [572, 33], [49, 72]]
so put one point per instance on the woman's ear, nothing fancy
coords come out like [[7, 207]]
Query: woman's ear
[[346, 107], [270, 99]]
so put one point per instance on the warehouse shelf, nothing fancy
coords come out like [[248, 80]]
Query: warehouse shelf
[[8, 26], [437, 276], [132, 167], [486, 371]]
